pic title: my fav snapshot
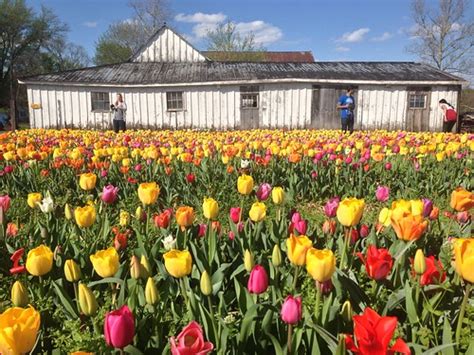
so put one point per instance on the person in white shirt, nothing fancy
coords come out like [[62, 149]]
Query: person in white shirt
[[120, 108]]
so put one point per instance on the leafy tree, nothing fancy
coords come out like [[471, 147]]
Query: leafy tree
[[226, 38]]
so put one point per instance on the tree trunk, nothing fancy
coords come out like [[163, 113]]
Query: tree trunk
[[12, 101]]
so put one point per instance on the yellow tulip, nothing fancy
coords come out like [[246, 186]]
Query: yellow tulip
[[67, 212], [462, 200], [384, 216], [419, 263], [178, 263], [151, 292], [248, 260], [148, 192], [39, 261], [278, 195], [276, 256], [320, 264], [245, 184], [146, 269], [185, 216], [206, 284], [297, 246], [416, 207], [210, 208], [72, 272], [136, 268], [87, 300], [105, 262], [34, 198], [124, 218], [87, 181], [18, 330], [349, 212], [19, 295], [258, 212], [85, 216], [464, 258]]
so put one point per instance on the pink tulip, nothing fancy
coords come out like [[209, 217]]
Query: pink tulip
[[382, 193], [138, 167], [258, 280], [291, 311], [296, 217], [463, 217], [5, 203], [231, 235], [301, 226], [388, 166], [364, 231], [103, 173], [235, 214], [325, 287], [8, 169], [109, 194], [119, 327], [190, 341], [264, 191], [314, 175], [330, 207]]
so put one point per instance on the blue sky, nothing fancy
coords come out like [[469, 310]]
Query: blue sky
[[332, 30]]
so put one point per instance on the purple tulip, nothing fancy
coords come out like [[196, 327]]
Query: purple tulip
[[109, 194], [330, 207], [264, 191], [427, 207], [382, 193], [258, 280], [291, 311]]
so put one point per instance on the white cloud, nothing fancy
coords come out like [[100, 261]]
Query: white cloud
[[342, 49], [354, 36], [200, 17], [383, 37], [265, 33], [90, 24]]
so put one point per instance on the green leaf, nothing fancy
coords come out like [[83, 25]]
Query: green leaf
[[447, 337], [437, 349], [276, 345], [248, 323], [107, 280], [130, 349], [65, 301], [410, 304]]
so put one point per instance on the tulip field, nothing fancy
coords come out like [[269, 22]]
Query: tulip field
[[236, 242]]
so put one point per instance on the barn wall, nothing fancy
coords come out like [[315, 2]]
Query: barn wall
[[218, 107], [169, 47]]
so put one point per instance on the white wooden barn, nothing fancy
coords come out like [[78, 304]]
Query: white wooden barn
[[170, 84]]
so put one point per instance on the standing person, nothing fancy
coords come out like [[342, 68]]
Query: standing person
[[450, 115], [346, 104], [120, 109]]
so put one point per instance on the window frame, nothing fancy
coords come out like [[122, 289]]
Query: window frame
[[104, 100], [417, 102], [250, 92], [176, 100]]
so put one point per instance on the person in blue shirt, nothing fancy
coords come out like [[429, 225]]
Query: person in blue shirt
[[346, 104]]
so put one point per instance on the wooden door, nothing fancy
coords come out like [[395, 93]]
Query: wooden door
[[418, 109], [249, 107], [324, 113]]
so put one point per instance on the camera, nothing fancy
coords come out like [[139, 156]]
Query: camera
[[112, 107]]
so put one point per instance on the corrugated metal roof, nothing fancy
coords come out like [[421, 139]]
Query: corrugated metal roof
[[172, 73], [260, 56]]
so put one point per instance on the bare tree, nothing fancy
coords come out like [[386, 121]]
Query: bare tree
[[226, 38], [151, 14], [444, 36]]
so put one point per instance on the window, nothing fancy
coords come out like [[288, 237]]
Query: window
[[100, 101], [174, 101], [249, 97], [417, 101]]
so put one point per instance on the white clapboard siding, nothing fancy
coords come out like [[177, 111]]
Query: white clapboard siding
[[167, 46], [438, 93]]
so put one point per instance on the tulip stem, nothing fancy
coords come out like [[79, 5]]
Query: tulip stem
[[290, 333], [461, 312], [183, 291], [318, 301], [346, 245], [213, 321], [77, 298], [295, 278], [121, 352]]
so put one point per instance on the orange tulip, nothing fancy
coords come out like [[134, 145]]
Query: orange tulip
[[408, 226], [462, 200], [185, 216]]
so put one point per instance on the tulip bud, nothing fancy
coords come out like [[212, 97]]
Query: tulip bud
[[151, 292], [2, 217], [135, 268], [139, 214], [44, 233], [419, 263], [145, 266], [248, 260], [346, 311], [87, 300], [19, 295], [206, 284], [72, 271], [276, 256], [68, 212]]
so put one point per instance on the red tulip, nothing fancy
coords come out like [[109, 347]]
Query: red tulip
[[325, 287], [329, 226], [190, 341], [263, 191], [15, 258], [434, 273], [119, 327], [378, 262], [162, 220], [258, 280], [291, 311], [109, 194], [373, 334], [364, 231], [235, 214], [5, 203], [202, 230], [190, 178]]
